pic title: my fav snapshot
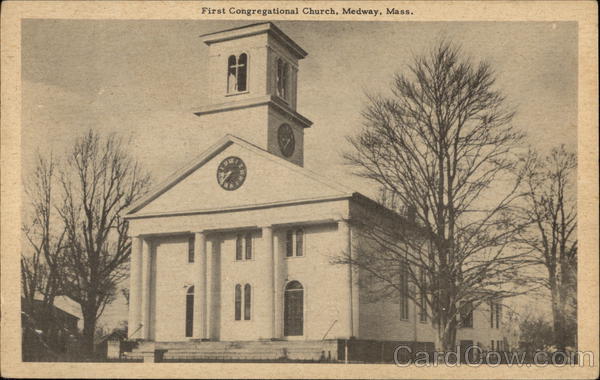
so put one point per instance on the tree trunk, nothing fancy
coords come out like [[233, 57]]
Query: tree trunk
[[448, 338], [89, 328], [48, 319], [447, 326], [558, 317]]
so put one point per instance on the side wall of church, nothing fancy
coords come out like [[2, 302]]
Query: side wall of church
[[481, 333], [379, 319]]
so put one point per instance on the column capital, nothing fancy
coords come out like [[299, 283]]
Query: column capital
[[200, 234]]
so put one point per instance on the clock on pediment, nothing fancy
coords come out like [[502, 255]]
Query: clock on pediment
[[285, 137], [231, 173]]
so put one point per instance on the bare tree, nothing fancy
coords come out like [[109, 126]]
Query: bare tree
[[548, 219], [42, 259], [99, 181], [438, 145]]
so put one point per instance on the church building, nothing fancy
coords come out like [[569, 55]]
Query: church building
[[233, 253]]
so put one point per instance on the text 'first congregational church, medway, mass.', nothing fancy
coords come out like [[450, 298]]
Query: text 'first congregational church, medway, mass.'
[[234, 252]]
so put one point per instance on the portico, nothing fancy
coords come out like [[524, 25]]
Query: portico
[[213, 259]]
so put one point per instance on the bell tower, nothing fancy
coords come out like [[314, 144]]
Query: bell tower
[[252, 81]]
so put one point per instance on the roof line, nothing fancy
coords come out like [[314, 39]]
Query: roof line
[[236, 28], [213, 150], [242, 207], [253, 29], [178, 175]]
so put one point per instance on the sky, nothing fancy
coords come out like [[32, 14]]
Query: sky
[[144, 79]]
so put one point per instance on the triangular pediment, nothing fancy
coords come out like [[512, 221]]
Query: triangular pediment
[[270, 180]]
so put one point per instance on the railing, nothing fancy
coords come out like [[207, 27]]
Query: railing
[[136, 330], [329, 329]]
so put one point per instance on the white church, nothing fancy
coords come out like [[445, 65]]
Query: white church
[[232, 255]]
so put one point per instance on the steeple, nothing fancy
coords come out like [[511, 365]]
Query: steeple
[[253, 75]]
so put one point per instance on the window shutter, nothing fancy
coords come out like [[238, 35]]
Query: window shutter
[[289, 243], [191, 243], [238, 248], [238, 302], [248, 246], [242, 70], [299, 242], [247, 301]]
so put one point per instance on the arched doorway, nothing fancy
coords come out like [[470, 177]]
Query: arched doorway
[[189, 312], [293, 311]]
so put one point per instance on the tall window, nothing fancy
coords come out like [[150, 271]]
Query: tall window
[[247, 301], [403, 282], [495, 314], [189, 312], [423, 297], [466, 314], [237, 68], [498, 313], [191, 243], [247, 297], [293, 309], [294, 242], [238, 302], [243, 246], [282, 79]]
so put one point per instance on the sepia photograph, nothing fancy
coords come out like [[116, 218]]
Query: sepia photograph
[[291, 192]]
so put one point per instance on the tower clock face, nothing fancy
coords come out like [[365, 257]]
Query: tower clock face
[[231, 173], [285, 137]]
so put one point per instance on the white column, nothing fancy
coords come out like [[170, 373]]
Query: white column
[[146, 273], [344, 233], [135, 285], [209, 289], [267, 237], [199, 286], [277, 299], [355, 288]]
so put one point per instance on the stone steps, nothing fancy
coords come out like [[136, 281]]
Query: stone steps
[[242, 350]]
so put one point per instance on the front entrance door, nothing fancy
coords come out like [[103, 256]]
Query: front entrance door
[[293, 315]]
